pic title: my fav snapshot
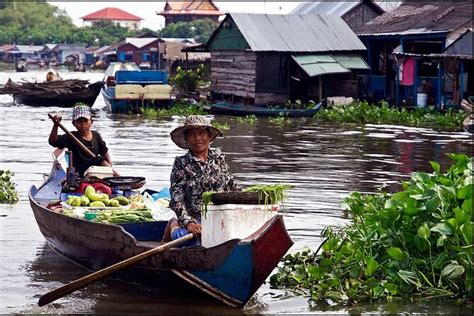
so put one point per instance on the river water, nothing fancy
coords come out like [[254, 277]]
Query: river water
[[324, 163]]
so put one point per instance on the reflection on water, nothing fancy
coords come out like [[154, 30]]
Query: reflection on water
[[324, 163]]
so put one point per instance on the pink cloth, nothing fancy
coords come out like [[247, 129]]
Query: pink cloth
[[408, 76]]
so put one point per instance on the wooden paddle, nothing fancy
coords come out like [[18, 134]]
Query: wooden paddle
[[88, 279]]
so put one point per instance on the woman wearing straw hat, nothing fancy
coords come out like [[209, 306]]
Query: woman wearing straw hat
[[201, 169]]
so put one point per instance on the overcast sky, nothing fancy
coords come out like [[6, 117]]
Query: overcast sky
[[147, 10]]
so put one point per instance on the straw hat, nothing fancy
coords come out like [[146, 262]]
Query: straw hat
[[178, 134]]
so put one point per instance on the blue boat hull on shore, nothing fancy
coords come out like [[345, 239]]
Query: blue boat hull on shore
[[226, 108]]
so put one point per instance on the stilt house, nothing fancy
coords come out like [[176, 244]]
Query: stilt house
[[263, 58], [396, 42]]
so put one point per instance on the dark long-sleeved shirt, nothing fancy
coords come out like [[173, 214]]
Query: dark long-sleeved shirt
[[190, 178], [81, 161]]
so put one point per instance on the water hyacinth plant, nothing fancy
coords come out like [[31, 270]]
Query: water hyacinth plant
[[248, 119], [414, 244], [8, 194], [179, 108], [363, 113]]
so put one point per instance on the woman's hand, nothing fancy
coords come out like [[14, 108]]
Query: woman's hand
[[194, 228]]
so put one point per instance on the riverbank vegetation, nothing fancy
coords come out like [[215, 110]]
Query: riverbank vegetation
[[8, 194], [179, 108], [414, 244], [363, 113]]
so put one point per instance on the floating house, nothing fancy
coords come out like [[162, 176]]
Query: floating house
[[145, 52], [174, 57], [69, 53], [115, 15], [187, 11], [396, 42], [263, 58], [354, 13]]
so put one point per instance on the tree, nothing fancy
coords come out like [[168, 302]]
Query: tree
[[200, 30], [39, 23]]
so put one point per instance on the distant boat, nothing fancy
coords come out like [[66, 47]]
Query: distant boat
[[61, 93], [227, 108], [21, 65], [128, 89]]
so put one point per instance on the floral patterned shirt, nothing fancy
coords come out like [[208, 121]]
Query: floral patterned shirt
[[190, 178]]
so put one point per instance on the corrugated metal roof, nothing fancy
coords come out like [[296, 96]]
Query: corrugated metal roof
[[332, 7], [423, 17], [351, 61], [323, 64], [296, 33]]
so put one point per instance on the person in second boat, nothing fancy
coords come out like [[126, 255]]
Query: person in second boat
[[200, 170], [82, 121]]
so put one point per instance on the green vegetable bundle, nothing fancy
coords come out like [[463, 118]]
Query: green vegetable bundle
[[124, 216], [270, 193]]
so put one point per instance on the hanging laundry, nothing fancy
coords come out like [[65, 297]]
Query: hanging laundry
[[408, 72]]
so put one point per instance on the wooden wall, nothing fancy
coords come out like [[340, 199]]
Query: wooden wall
[[233, 72]]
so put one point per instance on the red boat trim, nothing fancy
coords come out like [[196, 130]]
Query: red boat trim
[[205, 287]]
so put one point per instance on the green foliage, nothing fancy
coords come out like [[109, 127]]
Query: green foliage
[[363, 113], [221, 126], [200, 30], [248, 119], [8, 193], [37, 23], [188, 80], [279, 120], [179, 108], [416, 243]]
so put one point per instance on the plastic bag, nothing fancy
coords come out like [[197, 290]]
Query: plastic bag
[[159, 208]]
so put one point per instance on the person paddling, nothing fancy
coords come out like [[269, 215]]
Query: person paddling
[[82, 121], [201, 169]]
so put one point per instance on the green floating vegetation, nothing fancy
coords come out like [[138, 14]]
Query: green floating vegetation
[[363, 113], [248, 119], [221, 126], [414, 244], [179, 108], [270, 193], [8, 194]]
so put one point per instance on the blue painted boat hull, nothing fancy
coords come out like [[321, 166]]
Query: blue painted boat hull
[[226, 108], [230, 272]]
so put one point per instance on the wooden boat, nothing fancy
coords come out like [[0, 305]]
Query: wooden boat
[[226, 108], [61, 93], [230, 272], [130, 90]]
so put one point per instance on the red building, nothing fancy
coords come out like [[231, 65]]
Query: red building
[[145, 52], [187, 11], [114, 15]]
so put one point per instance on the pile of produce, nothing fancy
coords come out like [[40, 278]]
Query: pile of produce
[[99, 207], [94, 199], [416, 243]]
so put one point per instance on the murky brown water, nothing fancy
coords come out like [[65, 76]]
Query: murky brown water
[[324, 163]]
